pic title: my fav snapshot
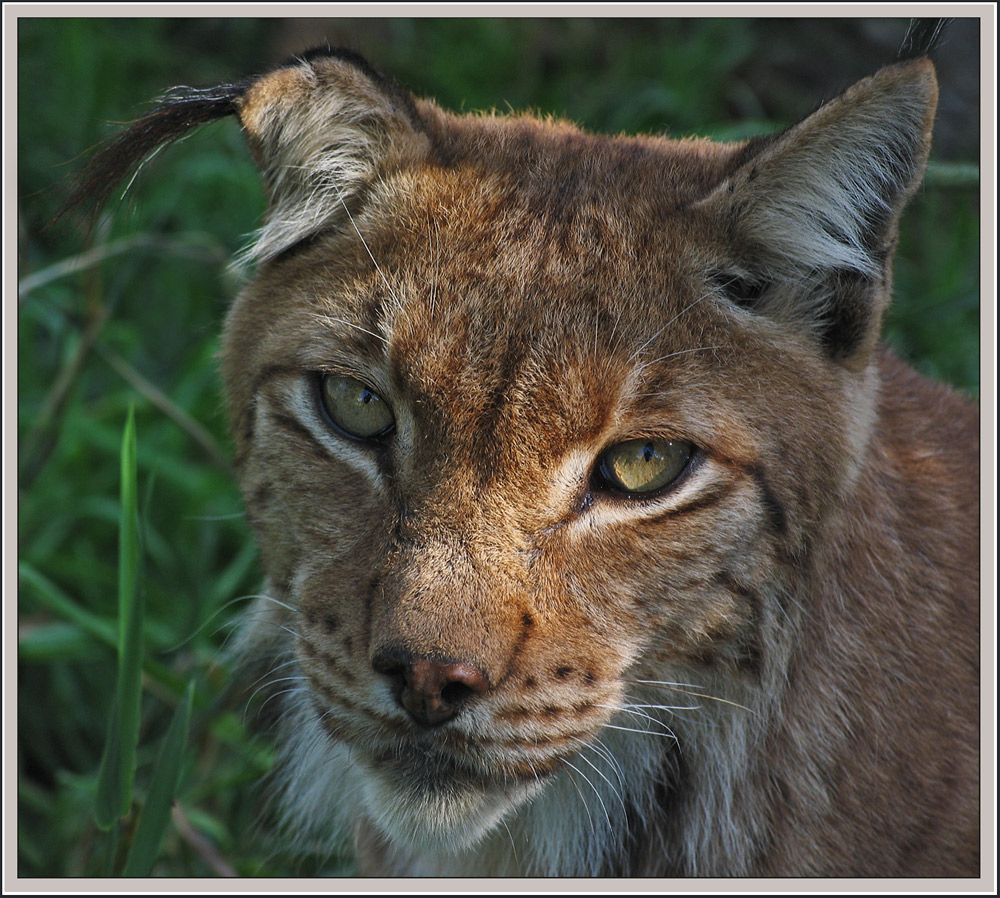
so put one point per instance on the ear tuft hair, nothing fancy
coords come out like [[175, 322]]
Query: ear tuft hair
[[321, 127], [923, 37], [177, 112]]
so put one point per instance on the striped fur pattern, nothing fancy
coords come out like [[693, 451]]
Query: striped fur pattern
[[768, 666]]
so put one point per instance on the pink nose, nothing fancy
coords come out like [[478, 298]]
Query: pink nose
[[431, 690]]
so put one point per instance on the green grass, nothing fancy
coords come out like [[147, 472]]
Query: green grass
[[116, 777], [135, 326]]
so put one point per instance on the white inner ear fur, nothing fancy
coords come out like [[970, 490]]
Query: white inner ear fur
[[811, 201], [320, 132]]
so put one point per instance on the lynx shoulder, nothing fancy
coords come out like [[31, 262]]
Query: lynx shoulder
[[602, 535]]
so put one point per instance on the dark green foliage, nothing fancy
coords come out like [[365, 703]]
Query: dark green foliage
[[137, 325], [162, 790], [117, 774]]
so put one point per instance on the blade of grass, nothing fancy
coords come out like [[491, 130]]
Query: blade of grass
[[194, 246], [117, 773], [229, 731], [111, 839], [41, 439], [200, 845], [57, 601], [162, 789], [166, 405], [952, 174], [48, 642]]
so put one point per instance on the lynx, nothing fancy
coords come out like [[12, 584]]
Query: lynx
[[602, 535]]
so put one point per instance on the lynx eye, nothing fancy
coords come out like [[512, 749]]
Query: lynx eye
[[354, 408], [643, 466]]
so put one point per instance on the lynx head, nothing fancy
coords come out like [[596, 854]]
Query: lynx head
[[536, 430]]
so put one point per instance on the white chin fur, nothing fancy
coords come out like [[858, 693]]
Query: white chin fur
[[327, 787], [447, 818]]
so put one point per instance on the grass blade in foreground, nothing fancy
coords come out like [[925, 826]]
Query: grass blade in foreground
[[162, 788], [114, 786]]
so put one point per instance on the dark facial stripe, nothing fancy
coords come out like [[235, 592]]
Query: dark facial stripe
[[697, 503], [776, 516], [268, 374]]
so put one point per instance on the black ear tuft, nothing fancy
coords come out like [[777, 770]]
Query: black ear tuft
[[178, 111], [922, 38]]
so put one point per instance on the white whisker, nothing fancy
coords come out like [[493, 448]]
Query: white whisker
[[357, 327], [671, 355], [274, 670], [669, 734], [663, 707], [364, 243], [600, 749], [611, 785], [583, 800], [271, 696], [645, 345], [676, 687]]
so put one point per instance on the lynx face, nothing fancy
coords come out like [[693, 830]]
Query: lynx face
[[564, 492], [600, 536]]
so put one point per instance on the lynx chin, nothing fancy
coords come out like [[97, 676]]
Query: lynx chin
[[602, 535]]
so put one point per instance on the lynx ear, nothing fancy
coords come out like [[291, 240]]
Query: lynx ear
[[321, 130], [816, 208]]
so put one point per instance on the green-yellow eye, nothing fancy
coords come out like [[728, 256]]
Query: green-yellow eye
[[355, 409], [643, 466]]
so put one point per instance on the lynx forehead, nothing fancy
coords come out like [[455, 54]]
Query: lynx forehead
[[601, 535]]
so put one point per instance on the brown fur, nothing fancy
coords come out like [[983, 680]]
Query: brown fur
[[524, 296]]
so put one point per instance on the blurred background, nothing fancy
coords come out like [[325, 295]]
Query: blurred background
[[129, 316]]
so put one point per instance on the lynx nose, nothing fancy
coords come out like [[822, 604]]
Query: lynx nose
[[431, 690]]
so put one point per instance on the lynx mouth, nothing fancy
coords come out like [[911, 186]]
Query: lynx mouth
[[433, 768]]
